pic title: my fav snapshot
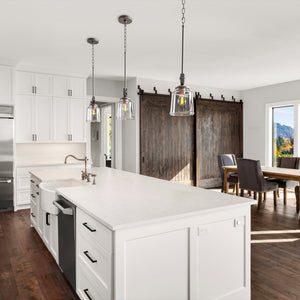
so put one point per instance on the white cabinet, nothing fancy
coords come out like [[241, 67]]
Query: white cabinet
[[61, 119], [68, 87], [40, 117], [5, 85], [33, 118], [77, 121], [54, 236], [69, 120], [33, 84], [46, 228], [43, 118], [220, 260]]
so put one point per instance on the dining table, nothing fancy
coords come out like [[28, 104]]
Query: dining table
[[272, 172]]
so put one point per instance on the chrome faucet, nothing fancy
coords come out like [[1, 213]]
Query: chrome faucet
[[84, 174]]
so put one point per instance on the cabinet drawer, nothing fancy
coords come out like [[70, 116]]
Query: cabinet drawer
[[93, 231], [88, 286], [97, 259]]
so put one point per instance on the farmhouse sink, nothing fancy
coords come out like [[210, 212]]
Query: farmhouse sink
[[49, 195]]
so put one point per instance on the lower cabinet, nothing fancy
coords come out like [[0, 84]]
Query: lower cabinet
[[45, 224], [205, 257]]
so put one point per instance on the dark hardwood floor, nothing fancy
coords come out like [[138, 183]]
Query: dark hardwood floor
[[28, 271], [275, 264]]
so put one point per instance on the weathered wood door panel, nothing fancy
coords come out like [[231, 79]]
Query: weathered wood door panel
[[219, 130], [167, 143]]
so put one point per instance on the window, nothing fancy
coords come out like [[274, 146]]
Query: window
[[282, 132]]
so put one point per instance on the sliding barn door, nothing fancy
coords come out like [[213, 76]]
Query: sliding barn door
[[167, 143], [219, 131]]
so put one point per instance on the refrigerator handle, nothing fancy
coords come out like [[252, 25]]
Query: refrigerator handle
[[5, 181]]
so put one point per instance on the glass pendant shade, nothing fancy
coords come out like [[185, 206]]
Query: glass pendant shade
[[93, 113], [182, 102], [125, 109]]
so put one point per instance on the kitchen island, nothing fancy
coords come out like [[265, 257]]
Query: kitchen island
[[143, 238]]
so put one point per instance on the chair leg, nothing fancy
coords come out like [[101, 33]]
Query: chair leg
[[233, 189], [255, 196], [242, 192], [275, 198], [278, 194], [265, 196], [237, 189], [284, 196], [249, 193], [259, 200]]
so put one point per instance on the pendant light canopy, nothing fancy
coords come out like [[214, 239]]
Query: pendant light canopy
[[182, 102], [93, 111], [125, 109]]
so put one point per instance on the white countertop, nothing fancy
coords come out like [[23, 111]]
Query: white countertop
[[122, 199]]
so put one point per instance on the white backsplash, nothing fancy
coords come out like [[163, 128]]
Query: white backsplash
[[48, 154]]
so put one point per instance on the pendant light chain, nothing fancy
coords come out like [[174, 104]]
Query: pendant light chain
[[93, 71], [125, 60], [182, 41]]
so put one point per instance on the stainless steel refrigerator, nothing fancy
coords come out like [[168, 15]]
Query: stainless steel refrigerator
[[6, 157]]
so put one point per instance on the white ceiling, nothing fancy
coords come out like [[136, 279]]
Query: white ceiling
[[236, 44]]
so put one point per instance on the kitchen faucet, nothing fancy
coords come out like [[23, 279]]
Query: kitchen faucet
[[84, 174]]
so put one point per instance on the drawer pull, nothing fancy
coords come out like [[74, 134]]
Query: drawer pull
[[37, 185], [89, 228], [33, 215], [87, 255], [32, 181], [37, 193], [32, 196], [86, 291]]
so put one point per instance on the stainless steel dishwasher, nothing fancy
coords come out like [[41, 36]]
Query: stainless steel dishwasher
[[67, 239]]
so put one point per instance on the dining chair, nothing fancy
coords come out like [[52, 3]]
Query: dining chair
[[228, 160], [288, 163], [251, 178]]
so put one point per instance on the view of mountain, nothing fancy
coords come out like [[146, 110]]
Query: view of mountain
[[284, 131]]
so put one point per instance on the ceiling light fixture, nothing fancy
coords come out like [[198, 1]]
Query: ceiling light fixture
[[182, 102], [93, 111], [125, 109]]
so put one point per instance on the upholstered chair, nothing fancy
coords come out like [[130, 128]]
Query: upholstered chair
[[228, 160], [251, 178]]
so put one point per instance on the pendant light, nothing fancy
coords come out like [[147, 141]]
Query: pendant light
[[125, 109], [182, 102], [93, 111]]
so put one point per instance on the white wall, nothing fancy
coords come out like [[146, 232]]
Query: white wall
[[255, 101]]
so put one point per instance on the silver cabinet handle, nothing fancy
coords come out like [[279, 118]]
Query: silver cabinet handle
[[35, 89], [32, 89], [33, 137], [71, 92], [71, 137], [6, 181]]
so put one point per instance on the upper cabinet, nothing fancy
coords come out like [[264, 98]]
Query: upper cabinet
[[68, 87], [33, 84], [5, 85], [50, 108]]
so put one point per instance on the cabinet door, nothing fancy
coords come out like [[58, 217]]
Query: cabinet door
[[43, 84], [60, 86], [220, 261], [46, 228], [54, 236], [43, 118], [25, 83], [60, 119], [77, 120], [5, 85], [23, 197], [76, 85], [24, 118], [162, 270]]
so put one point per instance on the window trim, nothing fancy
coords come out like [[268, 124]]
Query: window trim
[[269, 128]]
